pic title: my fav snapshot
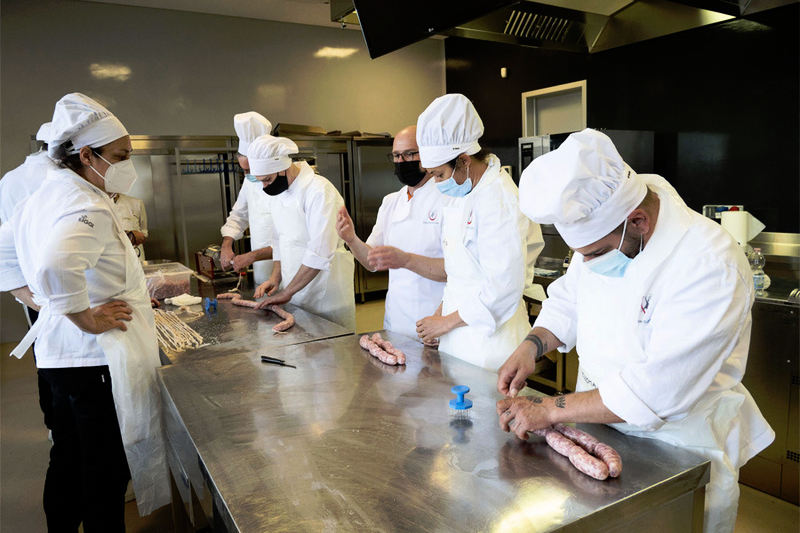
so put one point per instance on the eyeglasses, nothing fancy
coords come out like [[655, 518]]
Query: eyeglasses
[[405, 156]]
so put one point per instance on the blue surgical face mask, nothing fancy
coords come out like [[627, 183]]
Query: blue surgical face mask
[[614, 263], [451, 188], [250, 177]]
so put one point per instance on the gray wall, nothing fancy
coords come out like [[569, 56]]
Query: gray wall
[[190, 73]]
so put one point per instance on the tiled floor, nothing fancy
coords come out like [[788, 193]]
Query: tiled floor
[[24, 454]]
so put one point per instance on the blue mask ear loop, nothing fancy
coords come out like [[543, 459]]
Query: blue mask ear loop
[[622, 239]]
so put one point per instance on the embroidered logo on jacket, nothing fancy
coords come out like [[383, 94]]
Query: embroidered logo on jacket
[[86, 221], [644, 308], [469, 220], [432, 214]]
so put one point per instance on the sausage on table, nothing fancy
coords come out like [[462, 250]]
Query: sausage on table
[[376, 351]]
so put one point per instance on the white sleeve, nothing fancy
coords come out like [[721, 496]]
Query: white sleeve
[[71, 248], [695, 329], [376, 237], [559, 314], [10, 273], [502, 266], [321, 209], [238, 219]]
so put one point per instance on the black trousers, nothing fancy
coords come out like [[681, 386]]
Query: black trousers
[[45, 396], [88, 471]]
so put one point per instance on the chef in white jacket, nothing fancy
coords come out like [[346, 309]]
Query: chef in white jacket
[[65, 252], [252, 207], [312, 268], [21, 182], [657, 301], [406, 240], [487, 242]]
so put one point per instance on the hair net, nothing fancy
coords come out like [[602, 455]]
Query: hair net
[[250, 126], [449, 127], [583, 187], [269, 155], [83, 121]]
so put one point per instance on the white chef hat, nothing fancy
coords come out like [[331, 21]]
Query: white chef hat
[[449, 127], [250, 126], [583, 187], [268, 155], [83, 121], [44, 132]]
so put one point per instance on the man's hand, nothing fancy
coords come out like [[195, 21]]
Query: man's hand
[[154, 303], [386, 257], [24, 295], [279, 298], [344, 226], [512, 375], [137, 237], [102, 318], [240, 262], [226, 254], [268, 287], [430, 328], [523, 415]]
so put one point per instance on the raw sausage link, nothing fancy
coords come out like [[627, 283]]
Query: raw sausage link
[[559, 442], [610, 457], [591, 466], [377, 351], [286, 315], [241, 302], [389, 348], [229, 296], [583, 439]]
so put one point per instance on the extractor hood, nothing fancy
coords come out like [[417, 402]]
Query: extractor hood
[[585, 26]]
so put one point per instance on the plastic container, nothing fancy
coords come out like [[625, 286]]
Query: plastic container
[[167, 280], [760, 279]]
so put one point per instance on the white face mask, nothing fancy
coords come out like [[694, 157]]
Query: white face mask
[[119, 177]]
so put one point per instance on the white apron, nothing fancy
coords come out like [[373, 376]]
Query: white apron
[[132, 361], [464, 277], [607, 317], [331, 294], [259, 207], [412, 297]]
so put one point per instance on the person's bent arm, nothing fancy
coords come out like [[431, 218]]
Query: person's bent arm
[[96, 320], [386, 257], [522, 363], [529, 413], [346, 231], [240, 262], [304, 276]]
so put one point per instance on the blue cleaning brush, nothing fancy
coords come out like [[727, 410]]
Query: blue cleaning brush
[[460, 405]]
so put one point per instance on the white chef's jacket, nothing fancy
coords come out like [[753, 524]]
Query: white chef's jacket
[[70, 256], [133, 216], [489, 262], [413, 225], [304, 233], [252, 208], [21, 182], [667, 344]]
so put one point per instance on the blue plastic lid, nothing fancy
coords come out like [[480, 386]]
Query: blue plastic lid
[[460, 403]]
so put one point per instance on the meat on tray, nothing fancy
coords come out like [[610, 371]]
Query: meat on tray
[[590, 456], [236, 299], [382, 349]]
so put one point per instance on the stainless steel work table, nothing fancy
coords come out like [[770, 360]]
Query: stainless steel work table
[[228, 328], [345, 443]]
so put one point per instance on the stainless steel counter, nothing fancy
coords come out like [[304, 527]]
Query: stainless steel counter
[[229, 329], [346, 443]]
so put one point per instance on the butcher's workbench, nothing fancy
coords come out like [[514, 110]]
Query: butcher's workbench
[[346, 443], [228, 328]]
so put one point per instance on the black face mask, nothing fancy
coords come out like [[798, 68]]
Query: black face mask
[[408, 172], [280, 184]]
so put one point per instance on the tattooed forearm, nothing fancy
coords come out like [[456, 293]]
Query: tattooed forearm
[[561, 402], [541, 347]]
